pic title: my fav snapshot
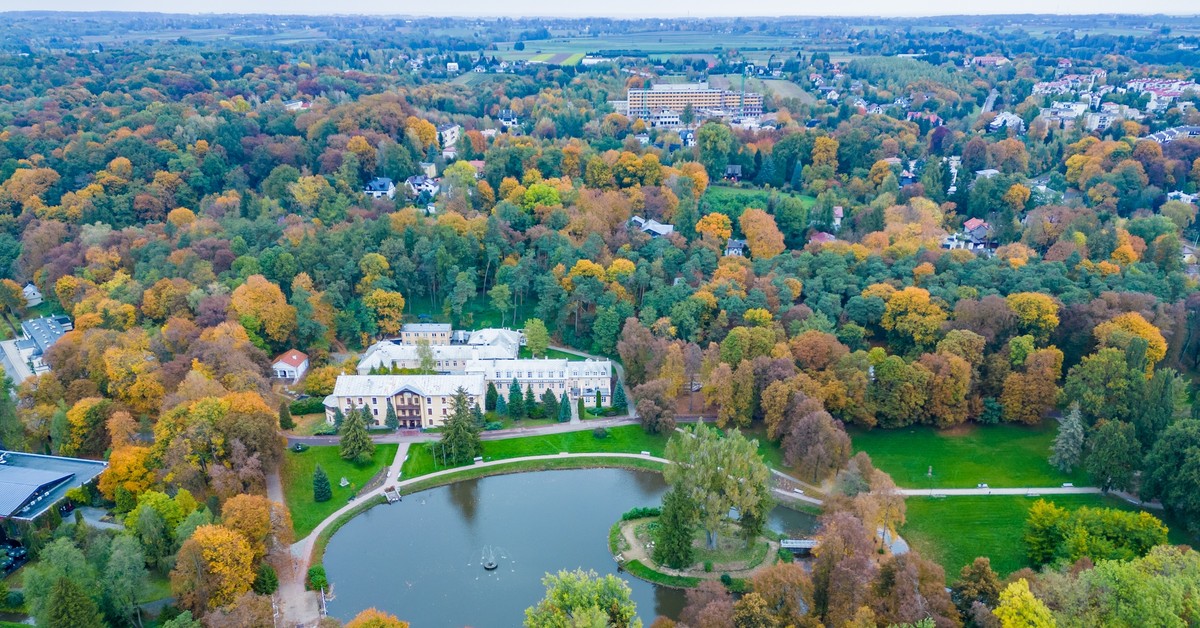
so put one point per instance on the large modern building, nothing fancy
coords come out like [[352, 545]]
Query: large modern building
[[30, 484], [434, 333], [706, 101]]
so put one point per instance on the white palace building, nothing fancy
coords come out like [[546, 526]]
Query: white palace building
[[468, 360]]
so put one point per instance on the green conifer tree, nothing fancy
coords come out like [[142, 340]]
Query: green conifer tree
[[322, 491], [392, 421], [356, 445], [549, 404], [460, 436], [69, 605], [676, 530], [489, 399], [564, 409], [501, 406], [516, 400], [530, 400], [620, 404], [285, 416]]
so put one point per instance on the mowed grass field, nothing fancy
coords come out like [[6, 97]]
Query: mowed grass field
[[624, 439], [1008, 456], [954, 530], [776, 87], [662, 42], [297, 471]]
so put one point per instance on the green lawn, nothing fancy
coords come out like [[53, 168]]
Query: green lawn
[[997, 455], [624, 439], [733, 201], [553, 354], [297, 472], [955, 530]]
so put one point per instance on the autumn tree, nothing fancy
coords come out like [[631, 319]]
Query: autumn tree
[[212, 569], [912, 318], [1120, 330], [786, 590], [1037, 313], [762, 236], [715, 227], [388, 308], [262, 522], [1030, 394], [374, 618], [261, 307]]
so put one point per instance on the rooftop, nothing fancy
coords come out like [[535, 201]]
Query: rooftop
[[390, 385], [30, 484], [292, 358], [425, 327], [46, 331]]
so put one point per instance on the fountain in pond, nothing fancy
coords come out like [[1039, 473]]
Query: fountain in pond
[[489, 558]]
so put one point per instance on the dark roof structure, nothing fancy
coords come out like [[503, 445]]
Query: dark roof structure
[[30, 484]]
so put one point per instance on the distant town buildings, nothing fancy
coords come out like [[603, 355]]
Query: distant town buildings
[[1175, 133], [705, 101], [989, 61]]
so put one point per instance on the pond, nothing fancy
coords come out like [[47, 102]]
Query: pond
[[422, 559]]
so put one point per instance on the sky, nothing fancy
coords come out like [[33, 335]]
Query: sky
[[617, 8]]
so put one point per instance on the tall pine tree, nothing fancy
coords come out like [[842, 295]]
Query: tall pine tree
[[516, 400], [460, 436], [564, 409], [620, 404], [285, 416], [530, 400], [391, 420], [69, 605], [676, 530], [489, 399], [356, 445], [322, 491], [1068, 445], [549, 404]]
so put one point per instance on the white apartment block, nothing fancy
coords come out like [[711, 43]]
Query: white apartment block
[[573, 378], [452, 350], [676, 97]]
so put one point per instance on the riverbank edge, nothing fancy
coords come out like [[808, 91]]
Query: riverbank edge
[[317, 557]]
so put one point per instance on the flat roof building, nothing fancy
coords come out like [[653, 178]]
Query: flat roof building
[[675, 97], [30, 484]]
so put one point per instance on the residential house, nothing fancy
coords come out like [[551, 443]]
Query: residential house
[[838, 214], [975, 236], [291, 366], [33, 296], [822, 237], [506, 117], [688, 137], [428, 168], [296, 105], [38, 335], [928, 116], [733, 172], [452, 67], [651, 226], [1175, 133], [736, 248], [380, 187], [986, 173], [421, 184], [989, 61], [448, 134], [1006, 119]]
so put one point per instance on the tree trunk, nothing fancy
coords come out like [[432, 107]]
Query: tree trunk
[[711, 537]]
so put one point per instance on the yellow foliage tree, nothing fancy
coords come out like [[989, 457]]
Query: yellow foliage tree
[[213, 568], [762, 235], [912, 315], [1019, 608], [374, 618], [716, 227], [388, 307], [1118, 331], [1037, 313], [264, 303], [128, 469]]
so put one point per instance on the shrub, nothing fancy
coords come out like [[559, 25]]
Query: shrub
[[316, 578], [641, 513], [80, 496], [708, 567], [312, 405], [267, 581], [726, 579], [493, 426], [299, 448], [325, 430], [600, 433], [785, 556]]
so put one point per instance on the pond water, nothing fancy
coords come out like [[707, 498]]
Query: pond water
[[422, 559]]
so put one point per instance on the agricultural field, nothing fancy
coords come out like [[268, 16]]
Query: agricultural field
[[776, 87], [651, 42], [1002, 456], [954, 530]]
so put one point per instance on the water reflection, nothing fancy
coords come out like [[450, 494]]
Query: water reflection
[[423, 559]]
